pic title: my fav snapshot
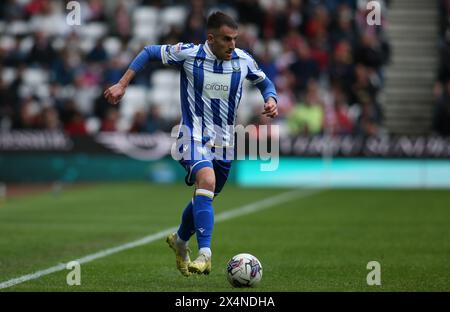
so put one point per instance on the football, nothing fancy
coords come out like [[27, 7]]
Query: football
[[244, 270]]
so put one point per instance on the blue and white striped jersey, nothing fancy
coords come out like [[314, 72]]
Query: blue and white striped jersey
[[211, 89]]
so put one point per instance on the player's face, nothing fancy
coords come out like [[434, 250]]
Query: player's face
[[223, 42]]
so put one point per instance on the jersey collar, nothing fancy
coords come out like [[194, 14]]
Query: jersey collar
[[208, 51]]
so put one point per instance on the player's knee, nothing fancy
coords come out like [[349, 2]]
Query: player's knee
[[206, 181]]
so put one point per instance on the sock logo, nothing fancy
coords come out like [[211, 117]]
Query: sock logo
[[201, 230]]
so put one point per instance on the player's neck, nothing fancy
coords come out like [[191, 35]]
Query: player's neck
[[210, 50]]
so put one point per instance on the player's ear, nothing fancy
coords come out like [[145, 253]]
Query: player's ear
[[210, 37]]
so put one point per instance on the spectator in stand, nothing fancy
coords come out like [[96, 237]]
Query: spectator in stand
[[109, 123], [74, 121], [29, 115], [444, 63], [319, 40], [267, 64], [307, 118], [284, 82], [364, 92], [304, 67], [369, 121], [95, 11], [195, 24], [341, 123], [342, 68], [343, 28], [139, 123], [121, 21], [98, 54], [14, 57], [6, 103], [441, 116], [50, 119], [371, 52], [11, 10], [155, 120], [42, 52]]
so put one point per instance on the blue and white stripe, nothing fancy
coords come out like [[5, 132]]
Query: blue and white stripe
[[211, 89]]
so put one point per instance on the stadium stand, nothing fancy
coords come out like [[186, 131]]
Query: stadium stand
[[414, 35], [311, 49], [441, 113]]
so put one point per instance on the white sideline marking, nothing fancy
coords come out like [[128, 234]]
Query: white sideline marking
[[226, 215]]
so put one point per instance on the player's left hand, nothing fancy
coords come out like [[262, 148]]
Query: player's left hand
[[270, 108]]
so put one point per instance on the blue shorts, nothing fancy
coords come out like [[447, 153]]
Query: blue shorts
[[205, 158]]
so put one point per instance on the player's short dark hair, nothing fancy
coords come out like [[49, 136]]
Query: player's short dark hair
[[219, 19]]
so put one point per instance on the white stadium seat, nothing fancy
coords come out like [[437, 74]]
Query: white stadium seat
[[135, 99], [146, 15], [175, 15], [7, 42], [147, 33], [18, 28], [164, 77], [8, 74], [35, 76], [160, 95], [112, 45], [93, 31], [166, 92], [27, 44], [87, 45]]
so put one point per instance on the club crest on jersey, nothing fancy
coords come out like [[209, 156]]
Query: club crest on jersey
[[235, 64]]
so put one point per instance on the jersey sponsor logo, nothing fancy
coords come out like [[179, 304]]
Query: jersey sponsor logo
[[216, 87]]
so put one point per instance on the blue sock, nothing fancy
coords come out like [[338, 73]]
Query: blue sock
[[203, 217], [187, 228]]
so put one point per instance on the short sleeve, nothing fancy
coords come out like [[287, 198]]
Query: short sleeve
[[177, 53], [255, 74]]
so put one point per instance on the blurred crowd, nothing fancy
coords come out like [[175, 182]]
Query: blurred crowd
[[441, 118], [326, 61]]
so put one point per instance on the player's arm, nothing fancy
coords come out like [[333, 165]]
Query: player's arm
[[267, 89], [265, 86], [115, 93]]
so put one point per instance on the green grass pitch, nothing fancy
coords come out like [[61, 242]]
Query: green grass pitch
[[320, 242]]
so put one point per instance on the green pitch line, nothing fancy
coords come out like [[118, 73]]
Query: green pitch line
[[239, 211], [316, 243]]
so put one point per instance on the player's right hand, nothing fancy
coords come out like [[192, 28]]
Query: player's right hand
[[115, 93]]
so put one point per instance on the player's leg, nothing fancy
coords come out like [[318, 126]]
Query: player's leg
[[221, 170], [178, 241], [203, 218]]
